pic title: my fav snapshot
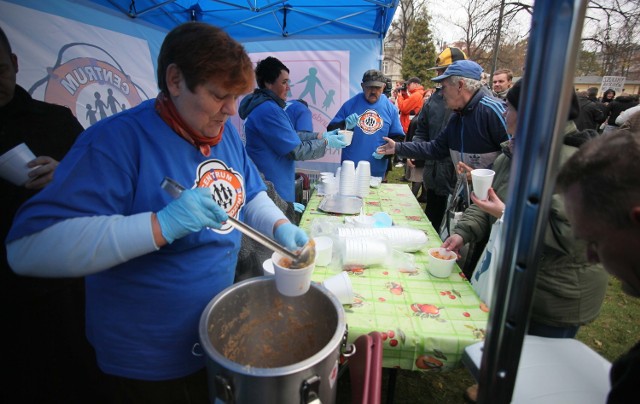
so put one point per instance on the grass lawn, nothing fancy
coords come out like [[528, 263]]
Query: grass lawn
[[613, 333]]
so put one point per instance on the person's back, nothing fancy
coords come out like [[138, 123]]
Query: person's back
[[300, 115], [591, 113]]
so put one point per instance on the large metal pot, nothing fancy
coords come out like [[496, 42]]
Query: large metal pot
[[263, 347]]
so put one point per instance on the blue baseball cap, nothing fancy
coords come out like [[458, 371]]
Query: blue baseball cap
[[462, 68]]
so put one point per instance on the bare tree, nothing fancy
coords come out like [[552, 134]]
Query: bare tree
[[401, 27], [611, 32]]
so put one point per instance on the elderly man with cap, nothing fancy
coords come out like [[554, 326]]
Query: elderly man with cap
[[474, 132], [372, 117], [439, 176]]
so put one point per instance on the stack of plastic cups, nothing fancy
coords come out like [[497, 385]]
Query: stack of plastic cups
[[328, 184], [348, 178], [363, 178]]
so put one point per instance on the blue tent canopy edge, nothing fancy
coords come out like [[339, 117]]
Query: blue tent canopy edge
[[259, 20]]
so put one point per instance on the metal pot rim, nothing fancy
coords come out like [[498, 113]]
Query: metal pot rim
[[223, 361]]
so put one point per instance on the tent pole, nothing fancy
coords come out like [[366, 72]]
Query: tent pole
[[544, 103]]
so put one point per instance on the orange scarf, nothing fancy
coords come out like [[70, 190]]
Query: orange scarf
[[170, 115]]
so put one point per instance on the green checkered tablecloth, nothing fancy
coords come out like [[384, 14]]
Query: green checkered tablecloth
[[426, 322]]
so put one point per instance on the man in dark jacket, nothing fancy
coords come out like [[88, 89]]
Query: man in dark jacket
[[591, 111], [439, 176], [45, 352], [604, 170]]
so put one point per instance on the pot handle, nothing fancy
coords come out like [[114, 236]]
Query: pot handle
[[309, 390], [224, 391]]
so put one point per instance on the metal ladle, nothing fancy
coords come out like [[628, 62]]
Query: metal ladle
[[300, 259]]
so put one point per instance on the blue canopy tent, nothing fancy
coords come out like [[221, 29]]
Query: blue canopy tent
[[338, 39], [258, 20]]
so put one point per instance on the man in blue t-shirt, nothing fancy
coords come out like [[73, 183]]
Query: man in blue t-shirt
[[371, 116]]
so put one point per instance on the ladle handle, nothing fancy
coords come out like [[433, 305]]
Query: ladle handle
[[174, 188], [261, 238]]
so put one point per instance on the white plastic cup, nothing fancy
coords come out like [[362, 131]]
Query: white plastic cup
[[340, 285], [363, 178], [441, 267], [324, 250], [291, 282], [348, 136], [482, 179], [364, 251], [347, 185], [267, 267], [13, 164]]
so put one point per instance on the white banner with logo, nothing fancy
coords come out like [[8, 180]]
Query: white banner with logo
[[94, 71]]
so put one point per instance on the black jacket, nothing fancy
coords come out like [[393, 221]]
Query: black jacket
[[618, 105], [48, 130], [438, 175], [592, 114]]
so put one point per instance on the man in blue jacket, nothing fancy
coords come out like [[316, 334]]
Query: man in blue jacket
[[473, 134], [474, 131]]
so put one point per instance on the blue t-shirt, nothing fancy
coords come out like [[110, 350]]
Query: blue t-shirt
[[270, 138], [300, 116], [376, 121], [143, 315]]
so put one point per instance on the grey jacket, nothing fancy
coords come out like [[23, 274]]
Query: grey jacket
[[569, 290]]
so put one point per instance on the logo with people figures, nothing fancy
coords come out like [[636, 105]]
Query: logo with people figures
[[93, 89], [370, 121], [226, 185]]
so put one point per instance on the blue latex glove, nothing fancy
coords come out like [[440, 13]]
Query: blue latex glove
[[351, 121], [194, 210], [298, 207], [330, 133], [378, 155], [336, 142], [291, 236]]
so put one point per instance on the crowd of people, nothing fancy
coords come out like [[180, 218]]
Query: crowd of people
[[119, 272]]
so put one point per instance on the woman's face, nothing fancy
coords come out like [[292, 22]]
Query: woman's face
[[280, 86], [511, 118], [206, 109]]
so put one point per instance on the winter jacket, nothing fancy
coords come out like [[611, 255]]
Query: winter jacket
[[409, 105], [438, 175], [619, 104], [592, 114], [569, 290], [472, 135]]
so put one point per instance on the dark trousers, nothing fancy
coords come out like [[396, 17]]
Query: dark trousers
[[436, 206]]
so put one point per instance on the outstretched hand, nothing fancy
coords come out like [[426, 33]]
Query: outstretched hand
[[387, 148]]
